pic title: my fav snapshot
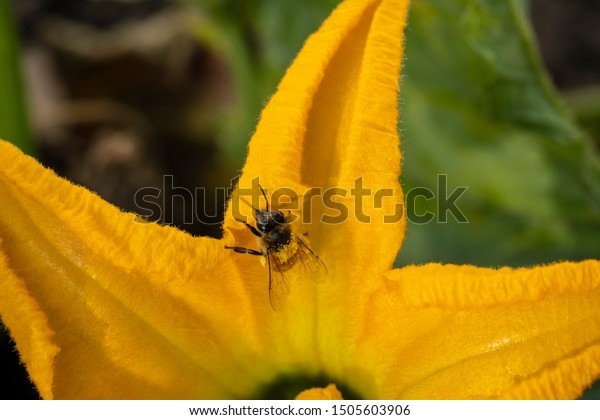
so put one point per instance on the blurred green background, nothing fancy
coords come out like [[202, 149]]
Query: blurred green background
[[116, 94]]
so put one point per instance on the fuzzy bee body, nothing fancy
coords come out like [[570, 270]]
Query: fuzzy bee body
[[281, 248]]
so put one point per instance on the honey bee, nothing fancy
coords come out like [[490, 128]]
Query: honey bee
[[282, 249]]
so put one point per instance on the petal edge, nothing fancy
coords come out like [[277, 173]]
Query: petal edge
[[29, 328], [453, 286]]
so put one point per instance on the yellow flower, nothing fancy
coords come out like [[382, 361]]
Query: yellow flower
[[102, 306]]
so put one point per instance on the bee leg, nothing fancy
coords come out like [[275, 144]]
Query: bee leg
[[254, 231], [241, 250]]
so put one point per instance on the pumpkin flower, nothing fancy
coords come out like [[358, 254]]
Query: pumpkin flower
[[102, 306]]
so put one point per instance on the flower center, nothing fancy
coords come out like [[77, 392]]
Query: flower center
[[289, 386]]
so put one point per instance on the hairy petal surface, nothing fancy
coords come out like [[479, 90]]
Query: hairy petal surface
[[101, 306], [475, 333], [464, 286]]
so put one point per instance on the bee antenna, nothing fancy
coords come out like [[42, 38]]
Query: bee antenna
[[264, 195]]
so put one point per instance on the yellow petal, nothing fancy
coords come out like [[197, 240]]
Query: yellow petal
[[103, 307], [333, 120], [29, 328], [330, 392], [565, 380], [465, 286], [454, 341], [110, 288]]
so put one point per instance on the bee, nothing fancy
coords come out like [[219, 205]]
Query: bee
[[282, 249]]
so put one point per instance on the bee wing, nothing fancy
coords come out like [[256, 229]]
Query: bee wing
[[310, 260], [279, 287]]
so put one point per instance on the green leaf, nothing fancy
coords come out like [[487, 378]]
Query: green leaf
[[13, 119], [477, 106], [592, 393]]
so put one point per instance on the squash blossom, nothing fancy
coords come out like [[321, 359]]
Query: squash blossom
[[102, 306]]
